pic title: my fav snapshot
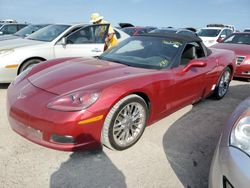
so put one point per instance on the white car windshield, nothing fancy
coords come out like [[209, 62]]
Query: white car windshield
[[29, 30], [208, 32], [48, 33]]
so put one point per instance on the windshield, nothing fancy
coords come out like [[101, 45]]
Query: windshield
[[1, 25], [48, 33], [238, 39], [208, 32], [144, 51], [28, 30]]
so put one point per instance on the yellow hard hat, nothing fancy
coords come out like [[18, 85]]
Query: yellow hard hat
[[95, 17]]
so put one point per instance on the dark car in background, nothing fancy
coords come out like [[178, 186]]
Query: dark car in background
[[181, 31], [10, 28], [24, 32], [137, 30], [240, 44]]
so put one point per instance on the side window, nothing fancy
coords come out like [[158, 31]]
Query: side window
[[223, 33], [118, 35], [229, 32], [10, 29], [191, 51], [89, 34]]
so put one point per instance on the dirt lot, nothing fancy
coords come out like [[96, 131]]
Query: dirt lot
[[174, 152]]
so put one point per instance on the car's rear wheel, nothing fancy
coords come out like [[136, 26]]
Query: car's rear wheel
[[223, 84], [29, 64], [125, 123]]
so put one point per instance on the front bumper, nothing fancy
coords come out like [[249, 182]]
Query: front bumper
[[29, 116], [231, 164]]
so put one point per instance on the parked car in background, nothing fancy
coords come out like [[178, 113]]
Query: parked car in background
[[77, 103], [247, 30], [53, 41], [167, 30], [137, 30], [10, 28], [231, 162], [24, 32], [8, 21], [214, 33], [240, 44]]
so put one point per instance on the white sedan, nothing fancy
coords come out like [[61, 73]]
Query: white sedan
[[53, 41]]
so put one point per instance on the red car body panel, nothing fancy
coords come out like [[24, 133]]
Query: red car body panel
[[241, 50], [165, 90]]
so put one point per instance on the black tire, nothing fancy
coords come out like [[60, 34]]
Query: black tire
[[28, 64], [223, 84], [131, 127]]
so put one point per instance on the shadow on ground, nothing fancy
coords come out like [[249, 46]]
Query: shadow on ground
[[190, 142], [88, 169], [4, 86]]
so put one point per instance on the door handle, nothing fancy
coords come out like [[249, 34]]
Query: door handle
[[96, 50]]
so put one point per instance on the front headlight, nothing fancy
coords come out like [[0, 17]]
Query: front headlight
[[75, 101], [240, 135], [6, 51]]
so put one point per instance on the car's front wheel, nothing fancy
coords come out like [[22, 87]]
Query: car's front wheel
[[125, 123], [223, 84]]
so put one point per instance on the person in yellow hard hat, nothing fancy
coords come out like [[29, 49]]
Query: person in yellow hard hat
[[111, 39]]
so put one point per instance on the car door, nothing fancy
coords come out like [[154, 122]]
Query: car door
[[189, 83], [87, 41]]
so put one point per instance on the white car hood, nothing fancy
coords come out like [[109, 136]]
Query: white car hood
[[208, 38], [17, 43], [209, 41]]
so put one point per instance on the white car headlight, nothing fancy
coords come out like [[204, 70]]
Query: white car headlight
[[240, 135], [6, 51]]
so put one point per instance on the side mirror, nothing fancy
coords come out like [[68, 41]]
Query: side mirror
[[221, 38], [64, 41], [194, 63]]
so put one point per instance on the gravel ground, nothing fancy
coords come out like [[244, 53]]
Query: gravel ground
[[174, 152]]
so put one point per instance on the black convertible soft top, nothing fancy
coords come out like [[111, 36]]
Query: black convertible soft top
[[173, 36]]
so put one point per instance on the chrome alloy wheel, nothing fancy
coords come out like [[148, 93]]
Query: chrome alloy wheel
[[224, 83], [129, 124]]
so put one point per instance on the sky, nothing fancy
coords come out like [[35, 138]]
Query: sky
[[160, 13]]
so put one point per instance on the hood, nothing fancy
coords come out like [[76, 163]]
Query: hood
[[83, 74], [239, 49], [208, 38], [17, 43]]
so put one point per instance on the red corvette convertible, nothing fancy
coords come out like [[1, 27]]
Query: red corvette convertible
[[78, 103], [240, 44]]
